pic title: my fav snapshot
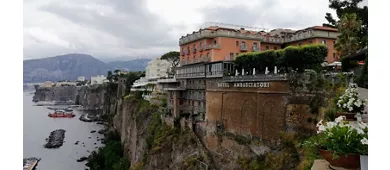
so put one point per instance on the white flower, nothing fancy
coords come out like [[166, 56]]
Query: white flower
[[319, 123], [321, 129], [339, 119], [364, 141], [330, 125]]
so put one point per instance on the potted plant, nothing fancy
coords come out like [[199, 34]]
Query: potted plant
[[350, 104], [340, 143]]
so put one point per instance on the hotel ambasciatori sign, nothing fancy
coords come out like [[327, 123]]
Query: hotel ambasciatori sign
[[249, 84]]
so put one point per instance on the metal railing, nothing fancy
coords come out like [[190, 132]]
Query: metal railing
[[214, 74], [261, 77], [243, 48], [295, 37], [254, 48]]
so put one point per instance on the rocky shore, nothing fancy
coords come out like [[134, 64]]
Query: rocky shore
[[56, 139]]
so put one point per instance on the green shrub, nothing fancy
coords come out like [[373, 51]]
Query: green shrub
[[294, 57]]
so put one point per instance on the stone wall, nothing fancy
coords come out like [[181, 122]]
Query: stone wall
[[253, 111]]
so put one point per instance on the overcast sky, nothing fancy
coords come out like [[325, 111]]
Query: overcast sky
[[128, 29]]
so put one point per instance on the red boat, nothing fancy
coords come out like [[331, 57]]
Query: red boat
[[61, 114]]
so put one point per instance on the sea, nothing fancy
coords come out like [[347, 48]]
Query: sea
[[37, 127]]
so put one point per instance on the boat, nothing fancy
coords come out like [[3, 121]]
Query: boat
[[61, 114], [30, 163], [69, 109]]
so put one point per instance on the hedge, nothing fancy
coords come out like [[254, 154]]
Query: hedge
[[293, 57]]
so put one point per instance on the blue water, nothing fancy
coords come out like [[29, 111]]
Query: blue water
[[37, 127]]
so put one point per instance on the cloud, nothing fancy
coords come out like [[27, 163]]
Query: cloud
[[147, 28]]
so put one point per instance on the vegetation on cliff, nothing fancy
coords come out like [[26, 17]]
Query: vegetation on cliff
[[109, 157]]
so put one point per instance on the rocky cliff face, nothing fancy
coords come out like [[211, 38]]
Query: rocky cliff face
[[56, 93], [90, 97], [171, 150]]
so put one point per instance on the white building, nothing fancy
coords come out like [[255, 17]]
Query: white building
[[100, 79], [81, 78], [157, 68]]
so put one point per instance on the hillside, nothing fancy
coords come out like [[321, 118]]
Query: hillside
[[70, 66]]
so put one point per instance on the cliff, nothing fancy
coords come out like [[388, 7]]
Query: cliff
[[152, 140], [152, 144]]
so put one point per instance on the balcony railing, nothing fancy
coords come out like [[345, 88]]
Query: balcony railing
[[191, 75], [279, 40], [255, 48], [168, 80], [243, 48], [212, 46], [261, 77], [214, 74]]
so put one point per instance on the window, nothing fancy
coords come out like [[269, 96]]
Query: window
[[243, 44], [207, 56], [200, 57], [215, 41], [194, 58], [200, 45], [275, 48], [310, 42], [237, 43], [334, 55], [231, 56], [324, 42], [299, 44], [267, 47], [236, 54], [255, 44]]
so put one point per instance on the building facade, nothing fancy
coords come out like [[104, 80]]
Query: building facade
[[157, 68], [81, 78], [204, 89], [100, 79]]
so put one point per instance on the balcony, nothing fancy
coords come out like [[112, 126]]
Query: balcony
[[214, 74], [255, 48], [243, 48], [212, 46], [276, 40], [168, 80], [249, 78], [201, 48], [194, 50]]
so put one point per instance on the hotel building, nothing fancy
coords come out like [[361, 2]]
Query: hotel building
[[206, 60]]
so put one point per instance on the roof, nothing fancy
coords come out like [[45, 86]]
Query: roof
[[324, 28]]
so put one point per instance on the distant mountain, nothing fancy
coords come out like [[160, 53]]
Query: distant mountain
[[70, 66], [133, 65]]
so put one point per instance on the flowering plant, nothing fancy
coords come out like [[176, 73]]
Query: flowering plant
[[340, 137], [350, 101]]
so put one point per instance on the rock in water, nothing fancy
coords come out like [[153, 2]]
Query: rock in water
[[93, 131], [82, 159], [56, 139]]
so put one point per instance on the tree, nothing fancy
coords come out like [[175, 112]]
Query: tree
[[343, 7], [172, 57], [131, 78], [348, 42], [109, 76]]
